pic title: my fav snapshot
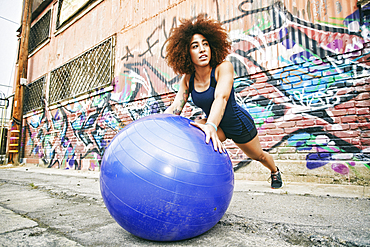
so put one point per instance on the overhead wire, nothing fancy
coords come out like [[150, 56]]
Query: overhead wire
[[1, 17]]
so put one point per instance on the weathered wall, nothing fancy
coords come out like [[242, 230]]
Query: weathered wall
[[302, 71]]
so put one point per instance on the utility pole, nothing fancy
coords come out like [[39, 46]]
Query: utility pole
[[15, 135]]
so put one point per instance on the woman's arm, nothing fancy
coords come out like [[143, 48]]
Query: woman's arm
[[225, 80], [224, 85], [181, 97]]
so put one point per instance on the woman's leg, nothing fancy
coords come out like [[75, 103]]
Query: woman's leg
[[254, 151]]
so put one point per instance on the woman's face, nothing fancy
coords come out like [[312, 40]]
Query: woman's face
[[200, 51]]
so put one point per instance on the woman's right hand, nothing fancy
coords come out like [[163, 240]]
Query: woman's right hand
[[211, 134]]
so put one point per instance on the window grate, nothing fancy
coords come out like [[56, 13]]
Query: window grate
[[69, 9], [39, 32], [34, 92], [87, 72]]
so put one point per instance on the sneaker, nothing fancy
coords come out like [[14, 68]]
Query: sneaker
[[276, 181]]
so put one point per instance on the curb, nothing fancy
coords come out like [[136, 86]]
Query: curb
[[305, 189]]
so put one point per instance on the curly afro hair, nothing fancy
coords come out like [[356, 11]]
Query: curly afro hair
[[178, 44]]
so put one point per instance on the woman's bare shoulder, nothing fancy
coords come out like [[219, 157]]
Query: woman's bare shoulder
[[185, 80], [224, 67]]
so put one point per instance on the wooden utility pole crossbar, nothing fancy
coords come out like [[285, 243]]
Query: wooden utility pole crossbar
[[21, 80]]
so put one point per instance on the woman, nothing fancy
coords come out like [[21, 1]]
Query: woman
[[197, 49]]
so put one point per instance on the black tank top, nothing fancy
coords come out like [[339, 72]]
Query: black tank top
[[234, 117]]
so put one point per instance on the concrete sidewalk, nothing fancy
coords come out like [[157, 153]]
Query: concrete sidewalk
[[294, 188], [52, 207]]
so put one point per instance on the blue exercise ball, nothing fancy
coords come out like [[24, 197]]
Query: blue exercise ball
[[160, 180]]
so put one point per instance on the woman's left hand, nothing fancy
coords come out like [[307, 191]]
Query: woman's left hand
[[211, 134]]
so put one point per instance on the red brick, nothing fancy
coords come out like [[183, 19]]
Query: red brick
[[359, 83], [265, 138], [364, 88], [293, 117], [353, 126], [351, 111], [265, 91], [252, 93], [364, 103], [363, 111], [290, 130], [349, 119], [269, 120], [265, 145], [286, 124], [262, 132], [364, 126], [337, 127], [269, 126], [363, 96], [363, 119], [343, 91], [258, 75], [259, 85], [365, 141], [355, 141], [321, 122], [345, 105], [347, 134], [275, 131], [277, 138], [341, 112], [32, 161], [366, 134], [367, 147], [306, 123], [336, 120], [232, 151]]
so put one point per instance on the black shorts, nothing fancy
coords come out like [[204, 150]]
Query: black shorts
[[244, 137]]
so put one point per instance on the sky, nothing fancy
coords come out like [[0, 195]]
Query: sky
[[10, 19]]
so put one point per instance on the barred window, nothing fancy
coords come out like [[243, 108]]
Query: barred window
[[39, 32], [33, 95], [91, 70]]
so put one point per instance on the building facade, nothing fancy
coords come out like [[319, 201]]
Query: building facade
[[301, 70]]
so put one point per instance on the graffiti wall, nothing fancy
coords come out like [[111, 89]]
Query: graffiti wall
[[301, 69]]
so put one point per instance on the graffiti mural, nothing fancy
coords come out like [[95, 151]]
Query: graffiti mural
[[301, 71]]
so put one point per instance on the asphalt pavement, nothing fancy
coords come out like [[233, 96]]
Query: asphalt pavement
[[53, 207]]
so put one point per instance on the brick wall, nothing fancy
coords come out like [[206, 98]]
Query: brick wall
[[304, 79]]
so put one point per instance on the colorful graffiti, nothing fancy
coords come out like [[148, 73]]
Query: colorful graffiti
[[306, 84]]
